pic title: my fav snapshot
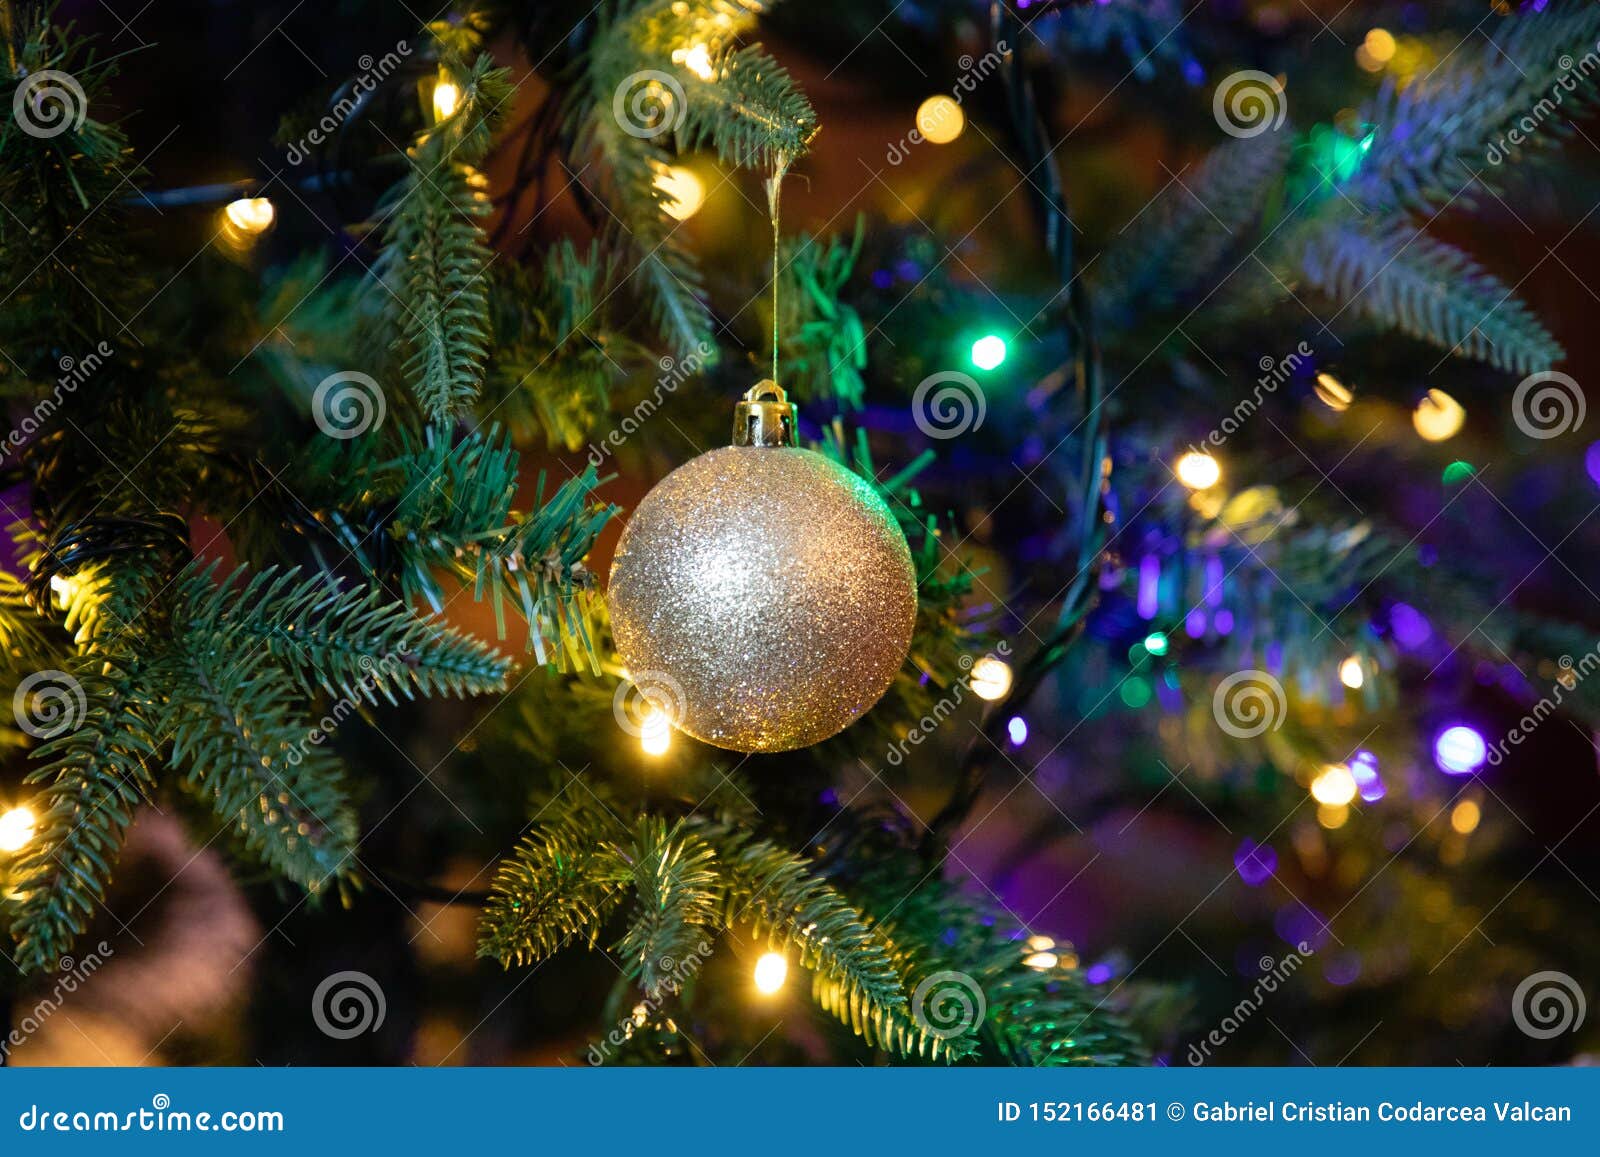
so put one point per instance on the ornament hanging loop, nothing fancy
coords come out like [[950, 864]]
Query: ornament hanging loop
[[765, 417]]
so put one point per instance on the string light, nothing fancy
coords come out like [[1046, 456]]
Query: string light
[[17, 827], [250, 216], [1017, 730], [1459, 750], [1465, 817], [1376, 50], [1041, 961], [1198, 471], [655, 732], [1352, 674], [991, 678], [1333, 393], [685, 192], [1156, 643], [1334, 786], [446, 99], [697, 59], [989, 351], [940, 120], [1438, 417], [771, 971]]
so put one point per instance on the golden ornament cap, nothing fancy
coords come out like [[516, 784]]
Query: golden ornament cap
[[765, 417]]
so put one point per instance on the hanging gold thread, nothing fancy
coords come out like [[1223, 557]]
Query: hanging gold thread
[[774, 188]]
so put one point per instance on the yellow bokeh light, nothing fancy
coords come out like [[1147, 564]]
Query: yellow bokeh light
[[1465, 817], [1352, 674], [1333, 393], [1438, 417], [940, 120], [685, 192], [655, 732], [771, 971], [1334, 786], [1380, 45], [251, 215], [1198, 471], [1041, 961], [991, 678], [1333, 816], [697, 59], [446, 99], [17, 827]]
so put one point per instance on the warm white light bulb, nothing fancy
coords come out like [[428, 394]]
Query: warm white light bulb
[[1198, 471], [1351, 673], [446, 99], [771, 971], [940, 120], [655, 732], [251, 215], [685, 192], [991, 678], [17, 827], [1438, 417], [1334, 787]]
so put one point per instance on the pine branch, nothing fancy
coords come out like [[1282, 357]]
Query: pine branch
[[1402, 278], [233, 722], [352, 643], [676, 900], [560, 885]]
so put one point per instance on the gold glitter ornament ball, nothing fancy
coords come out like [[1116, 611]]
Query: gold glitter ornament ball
[[762, 596]]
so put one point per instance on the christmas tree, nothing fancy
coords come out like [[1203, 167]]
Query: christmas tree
[[1143, 616]]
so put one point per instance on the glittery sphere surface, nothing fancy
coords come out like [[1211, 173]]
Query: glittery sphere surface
[[763, 596]]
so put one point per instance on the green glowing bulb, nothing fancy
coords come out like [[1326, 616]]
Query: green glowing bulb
[[1156, 642], [989, 351]]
